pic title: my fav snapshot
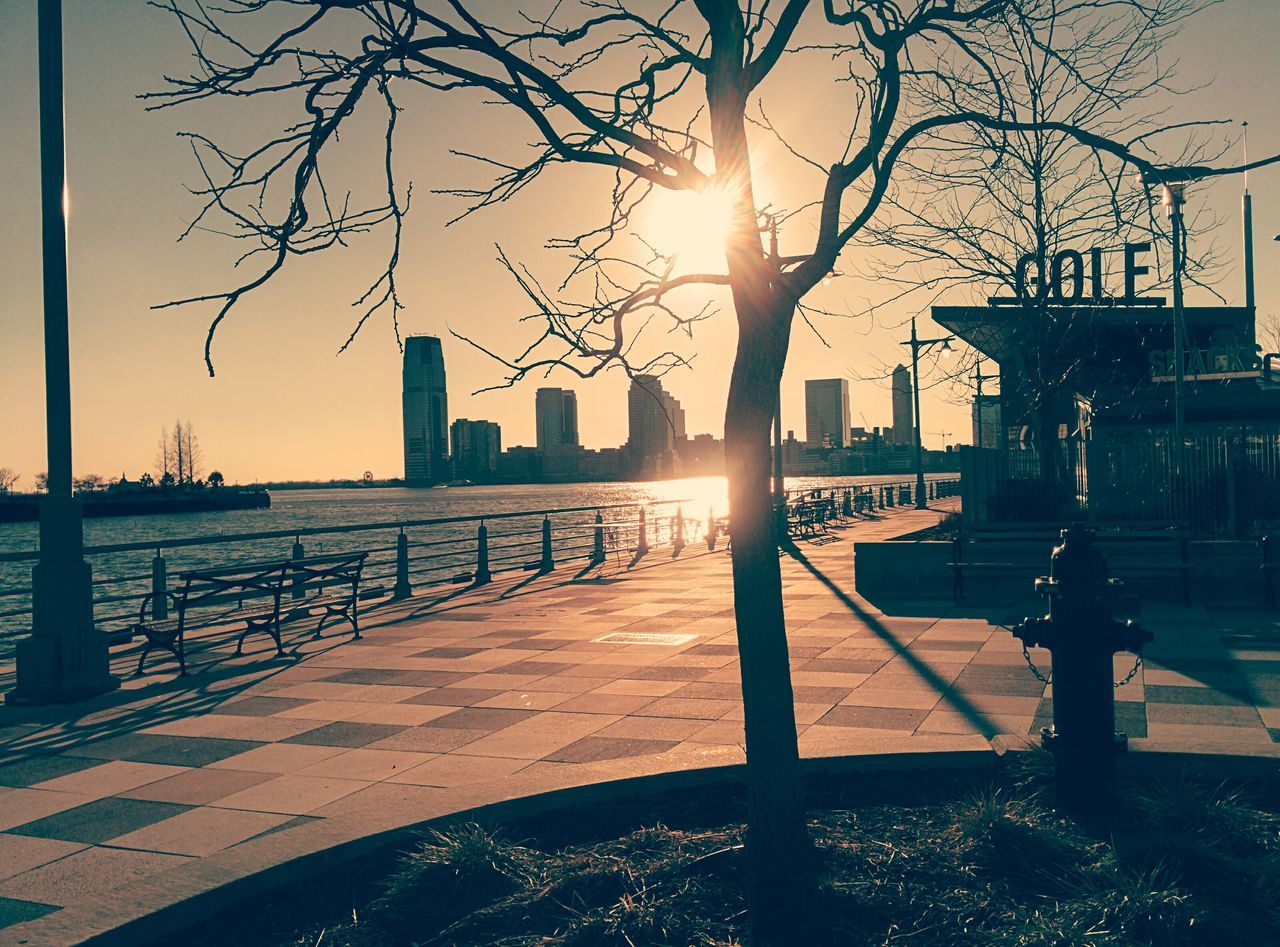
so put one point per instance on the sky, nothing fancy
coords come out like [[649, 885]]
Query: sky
[[284, 404]]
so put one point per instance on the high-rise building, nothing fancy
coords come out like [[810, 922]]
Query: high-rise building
[[556, 412], [655, 424], [476, 446], [987, 430], [426, 412], [903, 423], [826, 412]]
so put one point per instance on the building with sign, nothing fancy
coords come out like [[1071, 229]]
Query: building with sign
[[1094, 419]]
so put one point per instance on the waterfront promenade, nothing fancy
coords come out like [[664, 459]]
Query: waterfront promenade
[[170, 788]]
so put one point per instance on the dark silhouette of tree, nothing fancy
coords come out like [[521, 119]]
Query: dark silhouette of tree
[[216, 479], [146, 480], [8, 478], [164, 456], [90, 483], [644, 97]]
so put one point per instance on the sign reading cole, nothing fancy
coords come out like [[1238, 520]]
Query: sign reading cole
[[1067, 273]]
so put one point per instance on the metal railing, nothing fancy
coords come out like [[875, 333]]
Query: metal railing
[[402, 555], [409, 554], [850, 501]]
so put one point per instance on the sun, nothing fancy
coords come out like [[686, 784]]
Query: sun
[[690, 225]]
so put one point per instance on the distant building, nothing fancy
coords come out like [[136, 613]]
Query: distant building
[[903, 423], [556, 412], [987, 430], [426, 412], [476, 446], [655, 425], [826, 412], [701, 455]]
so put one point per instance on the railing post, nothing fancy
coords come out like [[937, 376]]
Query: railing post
[[402, 589], [642, 536], [677, 543], [298, 553], [483, 575], [159, 587], [597, 544], [711, 529], [548, 560]]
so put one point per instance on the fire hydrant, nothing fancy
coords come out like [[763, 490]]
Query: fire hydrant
[[1082, 636]]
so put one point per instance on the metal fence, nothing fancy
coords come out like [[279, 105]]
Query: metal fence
[[401, 555], [1228, 484]]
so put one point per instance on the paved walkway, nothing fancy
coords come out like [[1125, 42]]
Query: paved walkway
[[168, 788]]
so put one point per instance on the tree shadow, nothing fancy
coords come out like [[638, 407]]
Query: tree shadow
[[958, 702]]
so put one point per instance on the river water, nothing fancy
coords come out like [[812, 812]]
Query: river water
[[120, 575]]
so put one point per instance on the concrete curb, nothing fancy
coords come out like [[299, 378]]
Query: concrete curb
[[160, 905]]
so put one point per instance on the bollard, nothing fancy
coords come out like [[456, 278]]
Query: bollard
[[597, 545], [402, 588], [677, 542], [642, 535], [298, 578], [1082, 638], [159, 588], [711, 530], [483, 576], [548, 560]]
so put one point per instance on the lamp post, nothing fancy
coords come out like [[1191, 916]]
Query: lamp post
[[1171, 197], [917, 345], [65, 657]]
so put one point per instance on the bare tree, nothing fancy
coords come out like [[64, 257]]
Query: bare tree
[[178, 449], [8, 478], [192, 452], [986, 211], [649, 96], [164, 457]]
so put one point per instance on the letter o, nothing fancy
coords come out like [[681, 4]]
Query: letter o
[[1077, 275]]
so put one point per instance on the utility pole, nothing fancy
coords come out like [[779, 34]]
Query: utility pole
[[917, 345], [65, 658]]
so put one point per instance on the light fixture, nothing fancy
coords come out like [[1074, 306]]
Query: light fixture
[[946, 349]]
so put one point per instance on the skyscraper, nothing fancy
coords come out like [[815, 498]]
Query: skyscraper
[[655, 424], [426, 412], [826, 412], [557, 418], [903, 425], [476, 446]]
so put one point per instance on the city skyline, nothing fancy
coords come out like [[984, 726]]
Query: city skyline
[[127, 168]]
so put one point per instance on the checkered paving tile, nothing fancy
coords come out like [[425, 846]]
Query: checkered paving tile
[[506, 681]]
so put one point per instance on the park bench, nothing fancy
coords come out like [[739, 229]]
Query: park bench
[[254, 594], [331, 583], [217, 596], [807, 517], [1138, 551]]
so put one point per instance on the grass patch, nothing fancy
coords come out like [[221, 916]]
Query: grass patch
[[1181, 862]]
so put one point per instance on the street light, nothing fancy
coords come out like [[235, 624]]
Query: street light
[[917, 344], [65, 657], [1172, 197]]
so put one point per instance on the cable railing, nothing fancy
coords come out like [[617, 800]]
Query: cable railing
[[134, 580]]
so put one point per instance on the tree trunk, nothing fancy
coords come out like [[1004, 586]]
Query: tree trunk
[[778, 850]]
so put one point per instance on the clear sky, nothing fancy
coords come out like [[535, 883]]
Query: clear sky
[[283, 405]]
